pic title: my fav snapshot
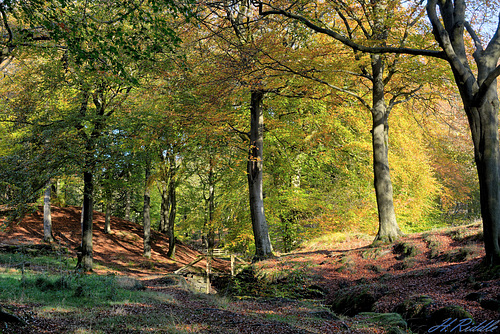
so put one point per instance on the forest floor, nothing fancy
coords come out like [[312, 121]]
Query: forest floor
[[441, 264]]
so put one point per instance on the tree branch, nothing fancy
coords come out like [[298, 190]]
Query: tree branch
[[486, 84], [6, 24], [408, 96], [475, 38], [493, 47], [348, 42], [444, 41], [245, 134]]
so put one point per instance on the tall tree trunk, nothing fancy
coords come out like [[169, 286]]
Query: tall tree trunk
[[47, 216], [107, 214], [107, 219], [171, 217], [211, 207], [263, 248], [486, 154], [163, 210], [483, 121], [480, 98], [146, 212], [388, 226], [86, 248], [128, 203]]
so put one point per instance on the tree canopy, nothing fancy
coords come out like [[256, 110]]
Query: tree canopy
[[250, 125]]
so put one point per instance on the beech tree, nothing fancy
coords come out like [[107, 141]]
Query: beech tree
[[233, 23], [478, 90], [370, 22], [47, 216]]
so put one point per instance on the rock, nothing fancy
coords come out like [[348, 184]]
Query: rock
[[475, 296], [395, 330], [490, 304], [454, 312], [415, 311], [359, 298]]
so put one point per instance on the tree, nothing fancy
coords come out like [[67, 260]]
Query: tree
[[370, 22], [234, 25], [480, 100], [146, 210], [47, 217], [478, 91], [101, 41]]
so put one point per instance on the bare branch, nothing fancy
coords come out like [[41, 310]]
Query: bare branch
[[474, 37], [407, 97], [6, 24], [245, 134], [347, 41]]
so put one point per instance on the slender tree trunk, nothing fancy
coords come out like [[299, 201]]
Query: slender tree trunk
[[171, 217], [86, 248], [146, 213], [128, 203], [107, 214], [107, 219], [47, 216], [163, 210], [388, 226], [263, 248], [211, 207]]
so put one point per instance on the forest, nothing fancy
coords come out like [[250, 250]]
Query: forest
[[255, 127]]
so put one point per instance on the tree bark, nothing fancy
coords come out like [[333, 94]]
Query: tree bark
[[486, 154], [163, 209], [171, 217], [211, 207], [480, 99], [107, 219], [263, 248], [47, 216], [146, 212], [86, 248], [107, 213], [128, 203], [388, 227]]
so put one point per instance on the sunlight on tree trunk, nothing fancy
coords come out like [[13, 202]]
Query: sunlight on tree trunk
[[263, 248], [388, 227], [47, 216]]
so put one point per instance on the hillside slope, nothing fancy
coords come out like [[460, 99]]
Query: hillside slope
[[121, 250]]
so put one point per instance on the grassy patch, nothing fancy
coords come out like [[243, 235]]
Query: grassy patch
[[326, 241], [347, 264], [465, 253], [283, 279], [406, 249], [433, 244], [466, 234], [72, 290]]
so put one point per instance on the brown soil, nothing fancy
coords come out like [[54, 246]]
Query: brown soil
[[346, 264]]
